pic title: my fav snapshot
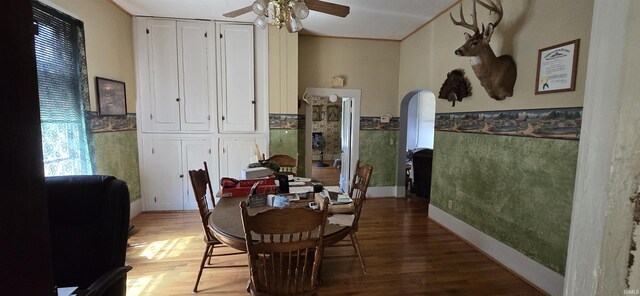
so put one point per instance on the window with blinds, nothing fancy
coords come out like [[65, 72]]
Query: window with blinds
[[66, 137]]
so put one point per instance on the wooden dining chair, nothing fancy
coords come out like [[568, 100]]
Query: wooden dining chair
[[358, 193], [288, 164], [284, 247], [201, 182]]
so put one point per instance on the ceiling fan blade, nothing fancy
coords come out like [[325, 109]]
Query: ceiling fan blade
[[328, 8], [238, 12]]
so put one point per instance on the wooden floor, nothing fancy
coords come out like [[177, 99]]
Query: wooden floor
[[405, 253], [328, 176]]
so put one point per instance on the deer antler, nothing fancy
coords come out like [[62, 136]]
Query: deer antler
[[463, 23], [492, 7]]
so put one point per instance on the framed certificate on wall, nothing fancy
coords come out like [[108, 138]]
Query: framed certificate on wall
[[557, 67]]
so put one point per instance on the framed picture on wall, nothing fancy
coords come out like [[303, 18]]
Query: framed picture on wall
[[333, 113], [317, 113], [557, 67], [112, 97]]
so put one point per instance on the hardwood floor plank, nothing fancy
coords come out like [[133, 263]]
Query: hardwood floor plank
[[405, 253]]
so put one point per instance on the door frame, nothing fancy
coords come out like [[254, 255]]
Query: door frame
[[402, 140], [356, 95]]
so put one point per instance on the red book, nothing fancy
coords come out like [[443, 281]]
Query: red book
[[244, 191], [263, 181]]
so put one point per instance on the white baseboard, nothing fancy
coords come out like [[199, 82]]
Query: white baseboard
[[382, 191], [532, 271], [135, 208], [400, 191]]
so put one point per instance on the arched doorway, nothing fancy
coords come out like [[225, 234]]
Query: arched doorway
[[417, 128]]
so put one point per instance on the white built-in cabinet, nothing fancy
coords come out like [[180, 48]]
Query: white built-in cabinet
[[178, 76], [236, 152], [202, 93], [236, 78], [167, 161]]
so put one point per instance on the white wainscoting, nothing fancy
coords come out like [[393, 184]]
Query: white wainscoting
[[530, 270], [135, 208], [382, 191]]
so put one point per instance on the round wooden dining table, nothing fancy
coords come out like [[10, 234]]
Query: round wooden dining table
[[226, 223]]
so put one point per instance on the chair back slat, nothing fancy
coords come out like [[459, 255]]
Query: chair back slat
[[200, 183], [358, 191], [284, 248]]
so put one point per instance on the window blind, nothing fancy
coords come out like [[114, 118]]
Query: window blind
[[61, 67]]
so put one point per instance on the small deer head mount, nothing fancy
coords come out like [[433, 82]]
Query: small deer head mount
[[496, 74], [455, 87]]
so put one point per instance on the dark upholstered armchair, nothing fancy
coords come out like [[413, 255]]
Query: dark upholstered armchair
[[89, 223], [422, 161]]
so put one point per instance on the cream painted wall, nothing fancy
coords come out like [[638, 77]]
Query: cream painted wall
[[369, 65], [109, 43], [427, 56], [283, 71]]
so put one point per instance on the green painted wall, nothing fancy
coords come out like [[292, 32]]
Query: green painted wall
[[117, 155], [288, 142], [518, 190], [376, 150]]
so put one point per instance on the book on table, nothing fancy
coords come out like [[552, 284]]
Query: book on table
[[336, 198]]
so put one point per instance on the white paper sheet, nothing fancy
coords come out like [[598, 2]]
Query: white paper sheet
[[301, 179], [301, 189], [296, 183], [333, 188]]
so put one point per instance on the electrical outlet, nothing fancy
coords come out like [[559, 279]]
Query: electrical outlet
[[385, 119]]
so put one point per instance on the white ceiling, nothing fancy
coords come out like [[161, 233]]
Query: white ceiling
[[377, 19]]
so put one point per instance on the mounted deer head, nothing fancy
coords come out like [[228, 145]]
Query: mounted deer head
[[496, 74]]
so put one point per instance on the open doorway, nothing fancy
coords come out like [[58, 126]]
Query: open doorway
[[417, 129], [332, 135]]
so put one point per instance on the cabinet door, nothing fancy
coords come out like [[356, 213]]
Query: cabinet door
[[194, 153], [163, 103], [194, 76], [235, 155], [163, 175], [236, 78]]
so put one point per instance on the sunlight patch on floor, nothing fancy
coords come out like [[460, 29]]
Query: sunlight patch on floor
[[159, 250]]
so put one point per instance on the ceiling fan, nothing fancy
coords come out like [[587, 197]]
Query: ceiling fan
[[288, 12]]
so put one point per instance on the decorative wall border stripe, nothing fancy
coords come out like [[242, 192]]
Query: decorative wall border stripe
[[374, 123], [297, 121], [103, 124], [559, 123], [286, 121]]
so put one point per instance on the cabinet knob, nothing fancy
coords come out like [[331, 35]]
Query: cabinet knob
[[181, 176], [177, 99]]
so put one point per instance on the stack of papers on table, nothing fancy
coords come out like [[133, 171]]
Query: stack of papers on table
[[340, 199], [301, 189], [336, 198]]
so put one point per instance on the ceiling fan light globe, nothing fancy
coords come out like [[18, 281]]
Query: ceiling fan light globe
[[293, 23], [261, 22], [259, 7], [300, 10]]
